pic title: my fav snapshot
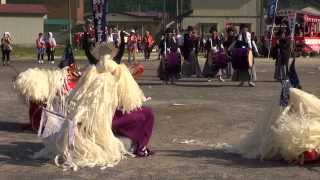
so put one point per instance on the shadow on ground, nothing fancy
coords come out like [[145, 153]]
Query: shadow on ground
[[14, 127], [19, 153], [221, 158]]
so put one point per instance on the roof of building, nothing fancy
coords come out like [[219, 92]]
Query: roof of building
[[22, 9], [56, 22], [153, 14]]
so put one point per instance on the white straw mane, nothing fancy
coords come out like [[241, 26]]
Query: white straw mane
[[40, 85], [131, 97]]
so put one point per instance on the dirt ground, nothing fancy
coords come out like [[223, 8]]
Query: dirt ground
[[191, 117]]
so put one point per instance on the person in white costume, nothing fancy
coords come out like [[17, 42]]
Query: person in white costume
[[80, 133], [291, 133]]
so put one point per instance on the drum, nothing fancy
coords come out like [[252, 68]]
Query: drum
[[250, 58], [173, 60], [220, 60], [240, 58]]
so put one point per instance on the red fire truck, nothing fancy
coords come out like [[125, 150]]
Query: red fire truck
[[307, 30]]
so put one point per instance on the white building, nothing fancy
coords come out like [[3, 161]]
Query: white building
[[222, 13], [23, 21]]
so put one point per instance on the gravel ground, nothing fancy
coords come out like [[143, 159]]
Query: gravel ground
[[191, 116]]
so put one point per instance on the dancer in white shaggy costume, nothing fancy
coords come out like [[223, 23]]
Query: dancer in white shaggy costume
[[291, 133], [78, 129]]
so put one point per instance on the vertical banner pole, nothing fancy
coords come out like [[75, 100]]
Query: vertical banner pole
[[292, 18], [177, 20], [99, 13], [70, 22], [272, 29]]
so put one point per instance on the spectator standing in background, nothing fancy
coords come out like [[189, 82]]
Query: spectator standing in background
[[148, 42], [41, 46], [6, 48], [50, 47], [132, 46]]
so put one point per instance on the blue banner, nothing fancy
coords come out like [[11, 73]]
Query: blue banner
[[99, 12], [272, 7]]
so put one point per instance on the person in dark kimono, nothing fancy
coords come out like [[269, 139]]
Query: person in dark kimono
[[121, 47], [202, 44], [215, 62], [282, 57], [242, 58], [228, 43], [170, 64], [190, 53]]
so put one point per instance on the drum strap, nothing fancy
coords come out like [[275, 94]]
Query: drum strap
[[165, 47]]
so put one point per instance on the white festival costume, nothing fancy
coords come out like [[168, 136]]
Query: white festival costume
[[85, 138], [286, 133]]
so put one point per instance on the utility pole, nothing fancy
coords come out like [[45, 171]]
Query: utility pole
[[70, 22], [139, 6], [261, 33], [177, 19], [181, 12], [164, 14]]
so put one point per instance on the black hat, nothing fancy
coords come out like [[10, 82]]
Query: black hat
[[242, 26], [230, 29], [168, 30], [213, 29], [190, 28]]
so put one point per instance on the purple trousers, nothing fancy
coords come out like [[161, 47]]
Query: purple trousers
[[137, 126]]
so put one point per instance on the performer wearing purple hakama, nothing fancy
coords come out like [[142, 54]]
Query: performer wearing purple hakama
[[86, 127], [216, 58], [137, 126], [191, 65], [242, 58], [170, 64]]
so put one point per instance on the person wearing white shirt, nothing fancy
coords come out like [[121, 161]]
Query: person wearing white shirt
[[244, 68]]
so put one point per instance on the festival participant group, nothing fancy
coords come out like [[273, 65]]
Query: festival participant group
[[229, 55], [179, 54], [84, 117]]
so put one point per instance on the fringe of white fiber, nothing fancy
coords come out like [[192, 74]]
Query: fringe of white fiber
[[131, 97], [298, 128], [40, 85], [284, 135], [92, 106]]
